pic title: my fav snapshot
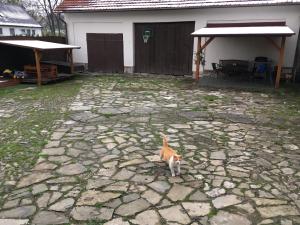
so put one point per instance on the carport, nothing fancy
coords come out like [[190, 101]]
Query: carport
[[269, 30], [38, 47]]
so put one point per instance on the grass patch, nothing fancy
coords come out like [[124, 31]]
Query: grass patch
[[26, 132], [95, 222], [203, 108], [224, 138]]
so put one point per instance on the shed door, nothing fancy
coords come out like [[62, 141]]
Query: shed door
[[105, 53], [169, 49]]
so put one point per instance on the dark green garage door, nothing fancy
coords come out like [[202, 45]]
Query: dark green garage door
[[169, 49]]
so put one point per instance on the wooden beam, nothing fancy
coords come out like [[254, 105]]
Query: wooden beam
[[37, 55], [207, 43], [273, 42], [70, 52], [200, 48], [280, 62], [197, 74]]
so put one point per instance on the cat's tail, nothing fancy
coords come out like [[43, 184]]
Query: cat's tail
[[165, 140]]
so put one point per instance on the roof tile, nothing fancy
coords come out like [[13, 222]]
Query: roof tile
[[128, 5], [14, 15]]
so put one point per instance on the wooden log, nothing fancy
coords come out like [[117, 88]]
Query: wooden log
[[71, 61], [207, 43], [37, 55], [197, 74]]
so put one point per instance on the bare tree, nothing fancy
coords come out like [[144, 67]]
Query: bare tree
[[53, 19], [18, 2]]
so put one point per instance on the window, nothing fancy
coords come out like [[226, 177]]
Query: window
[[12, 31], [23, 31], [33, 32], [1, 31], [28, 32]]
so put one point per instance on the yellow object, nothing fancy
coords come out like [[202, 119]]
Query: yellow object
[[7, 71]]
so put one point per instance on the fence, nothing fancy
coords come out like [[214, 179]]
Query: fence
[[14, 58]]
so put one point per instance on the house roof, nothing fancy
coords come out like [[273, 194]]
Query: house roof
[[40, 45], [14, 15], [130, 5]]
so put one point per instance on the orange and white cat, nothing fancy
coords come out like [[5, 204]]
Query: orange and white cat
[[170, 156]]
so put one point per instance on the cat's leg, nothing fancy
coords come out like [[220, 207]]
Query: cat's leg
[[171, 165], [178, 169]]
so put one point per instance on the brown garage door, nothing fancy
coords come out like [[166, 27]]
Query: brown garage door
[[105, 53], [169, 49]]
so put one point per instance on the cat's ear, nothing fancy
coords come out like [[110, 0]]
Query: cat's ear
[[178, 157]]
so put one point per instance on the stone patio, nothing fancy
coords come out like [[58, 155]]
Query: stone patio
[[240, 165]]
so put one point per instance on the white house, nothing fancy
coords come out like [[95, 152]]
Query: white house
[[112, 34], [15, 21]]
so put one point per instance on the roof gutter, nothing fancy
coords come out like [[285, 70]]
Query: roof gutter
[[20, 25]]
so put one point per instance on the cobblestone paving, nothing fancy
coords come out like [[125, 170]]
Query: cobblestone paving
[[241, 162]]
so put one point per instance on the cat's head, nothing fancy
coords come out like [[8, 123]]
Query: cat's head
[[177, 159]]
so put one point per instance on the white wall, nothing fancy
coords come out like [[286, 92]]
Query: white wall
[[18, 30], [221, 48]]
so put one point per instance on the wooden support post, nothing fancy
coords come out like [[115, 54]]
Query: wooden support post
[[37, 55], [280, 62], [273, 43], [71, 60], [198, 55], [207, 43]]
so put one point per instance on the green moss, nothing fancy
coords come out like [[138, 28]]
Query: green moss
[[210, 98], [243, 190], [196, 109], [224, 138], [212, 213], [107, 115], [163, 221], [98, 205]]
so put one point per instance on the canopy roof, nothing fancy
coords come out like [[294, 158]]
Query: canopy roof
[[244, 31], [40, 45]]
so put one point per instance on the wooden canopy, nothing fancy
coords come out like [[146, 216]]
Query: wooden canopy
[[38, 47], [257, 29]]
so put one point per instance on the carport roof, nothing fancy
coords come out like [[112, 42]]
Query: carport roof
[[39, 45], [244, 31]]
